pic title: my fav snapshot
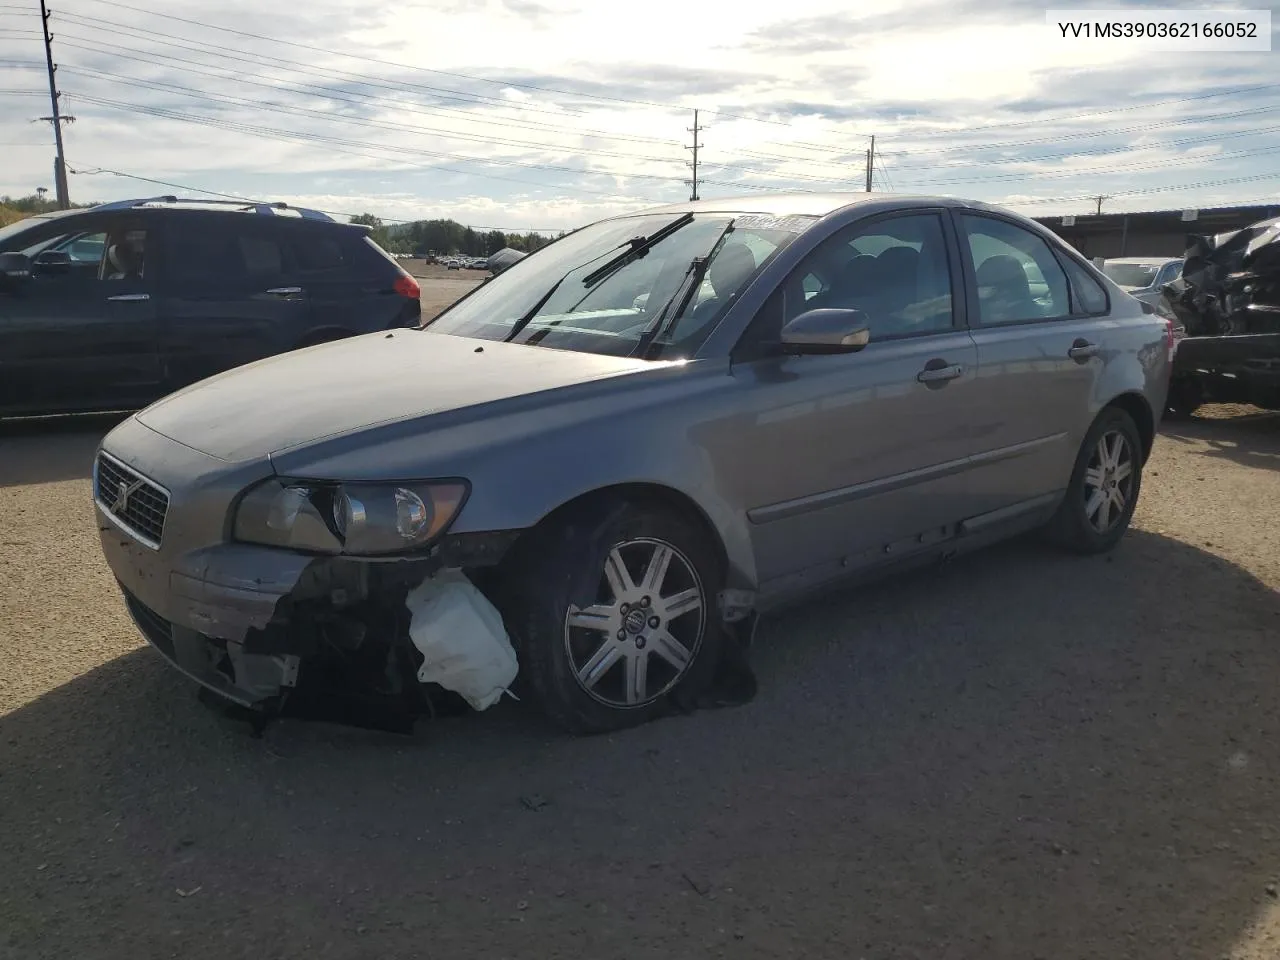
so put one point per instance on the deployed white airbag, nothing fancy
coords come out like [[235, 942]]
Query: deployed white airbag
[[462, 639]]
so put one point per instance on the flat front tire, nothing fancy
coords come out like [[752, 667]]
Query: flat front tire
[[1104, 486], [615, 612]]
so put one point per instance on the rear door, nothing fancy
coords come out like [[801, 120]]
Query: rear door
[[82, 333], [352, 286], [1039, 322], [230, 294]]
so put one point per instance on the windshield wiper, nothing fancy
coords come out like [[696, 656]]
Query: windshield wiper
[[674, 308], [524, 321], [637, 248]]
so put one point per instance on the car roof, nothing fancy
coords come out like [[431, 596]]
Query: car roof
[[805, 204]]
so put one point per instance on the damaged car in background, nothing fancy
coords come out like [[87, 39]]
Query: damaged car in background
[[588, 478], [1228, 302]]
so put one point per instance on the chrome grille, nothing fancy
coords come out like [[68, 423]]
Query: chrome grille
[[133, 501]]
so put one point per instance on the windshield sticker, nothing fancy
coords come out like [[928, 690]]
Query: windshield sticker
[[761, 221]]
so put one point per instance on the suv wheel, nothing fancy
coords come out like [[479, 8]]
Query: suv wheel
[[614, 616], [1104, 486]]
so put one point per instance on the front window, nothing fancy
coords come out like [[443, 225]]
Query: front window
[[1132, 275], [652, 284]]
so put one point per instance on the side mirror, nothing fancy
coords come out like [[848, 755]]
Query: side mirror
[[52, 261], [14, 267], [828, 330]]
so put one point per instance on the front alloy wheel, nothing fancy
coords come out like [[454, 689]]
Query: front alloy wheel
[[614, 613], [638, 639]]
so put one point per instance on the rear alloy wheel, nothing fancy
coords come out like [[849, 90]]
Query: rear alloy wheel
[[614, 612], [1104, 486]]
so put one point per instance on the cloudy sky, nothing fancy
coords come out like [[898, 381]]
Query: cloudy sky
[[544, 114]]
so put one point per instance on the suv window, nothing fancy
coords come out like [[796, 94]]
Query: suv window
[[894, 270], [1018, 277], [316, 252], [220, 250]]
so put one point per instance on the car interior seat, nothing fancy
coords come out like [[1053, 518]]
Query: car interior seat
[[1004, 291]]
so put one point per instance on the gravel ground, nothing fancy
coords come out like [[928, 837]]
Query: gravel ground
[[1024, 755]]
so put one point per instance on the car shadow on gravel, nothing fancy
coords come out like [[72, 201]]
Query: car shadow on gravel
[[1022, 755], [1251, 440], [51, 449]]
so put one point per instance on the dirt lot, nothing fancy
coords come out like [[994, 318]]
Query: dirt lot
[[1025, 755], [440, 285]]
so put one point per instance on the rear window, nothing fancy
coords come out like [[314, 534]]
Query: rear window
[[318, 253]]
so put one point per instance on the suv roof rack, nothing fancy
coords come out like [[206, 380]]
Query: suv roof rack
[[263, 209]]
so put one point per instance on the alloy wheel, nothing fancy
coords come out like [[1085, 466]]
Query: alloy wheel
[[1108, 481], [643, 632]]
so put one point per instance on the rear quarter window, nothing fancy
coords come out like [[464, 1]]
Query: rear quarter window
[[1087, 295]]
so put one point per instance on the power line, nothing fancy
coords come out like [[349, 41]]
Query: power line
[[301, 111], [1175, 188], [333, 213], [336, 145], [150, 57]]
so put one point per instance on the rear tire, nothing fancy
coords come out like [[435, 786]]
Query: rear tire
[[614, 612], [1104, 487]]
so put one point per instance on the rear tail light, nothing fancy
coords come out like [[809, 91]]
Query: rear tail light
[[1170, 337], [407, 287]]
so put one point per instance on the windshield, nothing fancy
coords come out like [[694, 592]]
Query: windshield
[[1132, 274], [15, 228], [563, 297]]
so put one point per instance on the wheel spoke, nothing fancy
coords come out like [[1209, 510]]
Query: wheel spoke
[[670, 649], [1093, 477], [636, 677], [600, 663], [681, 603], [1118, 499], [656, 572], [616, 573], [1123, 470], [1104, 513], [1094, 504], [1104, 453], [598, 617]]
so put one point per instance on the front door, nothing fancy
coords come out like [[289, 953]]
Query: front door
[[81, 332], [849, 460]]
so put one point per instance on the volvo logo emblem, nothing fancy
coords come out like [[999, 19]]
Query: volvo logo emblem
[[123, 492], [634, 621]]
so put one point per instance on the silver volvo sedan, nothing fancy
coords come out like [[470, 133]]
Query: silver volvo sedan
[[635, 441]]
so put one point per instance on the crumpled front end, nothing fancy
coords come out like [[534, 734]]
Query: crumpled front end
[[261, 626], [1228, 302]]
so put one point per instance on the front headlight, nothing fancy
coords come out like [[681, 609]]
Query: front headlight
[[360, 519]]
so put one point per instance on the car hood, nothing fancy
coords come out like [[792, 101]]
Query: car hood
[[296, 398]]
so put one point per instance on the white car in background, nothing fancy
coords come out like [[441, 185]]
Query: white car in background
[[1143, 277]]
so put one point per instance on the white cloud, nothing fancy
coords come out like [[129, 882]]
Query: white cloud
[[401, 127]]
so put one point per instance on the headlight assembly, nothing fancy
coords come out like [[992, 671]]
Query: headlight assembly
[[360, 519]]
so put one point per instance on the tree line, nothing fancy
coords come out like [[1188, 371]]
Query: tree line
[[444, 237]]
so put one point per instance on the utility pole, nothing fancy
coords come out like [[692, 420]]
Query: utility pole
[[60, 163], [871, 162], [695, 130], [1100, 199]]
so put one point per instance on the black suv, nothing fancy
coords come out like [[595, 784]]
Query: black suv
[[114, 306]]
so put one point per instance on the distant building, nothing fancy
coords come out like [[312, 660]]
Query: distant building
[[1155, 233]]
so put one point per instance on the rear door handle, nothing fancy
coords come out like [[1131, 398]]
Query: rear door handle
[[129, 297], [285, 291], [1082, 350], [935, 374]]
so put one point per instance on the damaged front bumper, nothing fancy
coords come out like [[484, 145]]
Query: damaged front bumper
[[252, 623]]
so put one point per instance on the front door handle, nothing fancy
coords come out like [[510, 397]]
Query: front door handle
[[129, 297], [285, 291], [942, 372], [1082, 350]]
